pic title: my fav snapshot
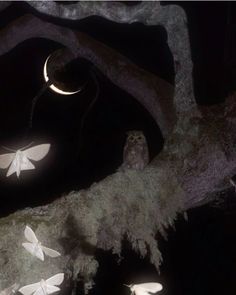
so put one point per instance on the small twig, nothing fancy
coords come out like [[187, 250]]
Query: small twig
[[89, 107], [35, 99]]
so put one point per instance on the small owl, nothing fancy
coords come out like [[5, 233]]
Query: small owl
[[135, 154]]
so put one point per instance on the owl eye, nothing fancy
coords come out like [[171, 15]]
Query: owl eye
[[131, 138], [139, 137]]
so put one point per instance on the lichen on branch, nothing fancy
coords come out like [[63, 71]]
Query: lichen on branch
[[131, 204]]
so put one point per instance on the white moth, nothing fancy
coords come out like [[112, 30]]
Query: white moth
[[20, 159], [34, 246], [145, 289], [10, 290], [44, 287]]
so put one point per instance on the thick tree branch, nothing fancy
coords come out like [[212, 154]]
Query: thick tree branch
[[113, 11], [98, 218], [155, 94], [4, 4], [135, 204], [171, 17]]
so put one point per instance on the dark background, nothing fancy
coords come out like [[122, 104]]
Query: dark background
[[199, 257]]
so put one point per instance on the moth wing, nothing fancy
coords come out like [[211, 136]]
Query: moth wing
[[39, 253], [29, 289], [13, 167], [150, 287], [55, 280], [50, 252], [52, 289], [30, 235], [39, 291], [35, 251], [140, 291], [6, 159], [37, 152], [29, 247], [25, 163]]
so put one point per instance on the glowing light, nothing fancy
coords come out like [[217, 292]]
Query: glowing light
[[53, 87], [145, 289], [44, 287], [20, 159], [35, 248]]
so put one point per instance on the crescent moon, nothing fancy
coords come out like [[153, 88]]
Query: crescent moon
[[52, 86]]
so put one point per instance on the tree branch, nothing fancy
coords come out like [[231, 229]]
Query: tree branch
[[113, 11], [4, 4], [171, 17], [155, 94], [135, 204], [98, 218]]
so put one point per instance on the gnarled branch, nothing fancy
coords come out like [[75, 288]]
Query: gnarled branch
[[171, 17], [155, 94]]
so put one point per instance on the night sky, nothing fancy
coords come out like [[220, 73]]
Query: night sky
[[199, 256]]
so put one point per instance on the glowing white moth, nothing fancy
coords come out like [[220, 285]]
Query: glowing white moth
[[44, 287], [35, 248], [145, 289], [20, 159], [10, 290]]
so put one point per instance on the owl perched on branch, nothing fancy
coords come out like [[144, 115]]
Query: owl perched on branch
[[135, 154]]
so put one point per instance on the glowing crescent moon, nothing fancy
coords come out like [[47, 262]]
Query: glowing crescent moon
[[53, 87]]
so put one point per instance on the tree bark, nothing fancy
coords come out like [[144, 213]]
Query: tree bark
[[171, 17], [4, 5], [155, 94]]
